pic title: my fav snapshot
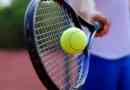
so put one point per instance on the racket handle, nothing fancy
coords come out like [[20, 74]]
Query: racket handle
[[104, 25]]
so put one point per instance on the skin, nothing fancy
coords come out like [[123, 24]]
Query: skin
[[87, 10]]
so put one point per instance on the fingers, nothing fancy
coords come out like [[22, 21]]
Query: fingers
[[105, 25]]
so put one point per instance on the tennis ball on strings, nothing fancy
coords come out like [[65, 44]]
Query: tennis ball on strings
[[73, 40]]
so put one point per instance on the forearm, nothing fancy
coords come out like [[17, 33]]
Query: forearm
[[87, 9], [89, 13], [84, 8], [88, 6]]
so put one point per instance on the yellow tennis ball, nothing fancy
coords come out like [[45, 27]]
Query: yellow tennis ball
[[73, 40]]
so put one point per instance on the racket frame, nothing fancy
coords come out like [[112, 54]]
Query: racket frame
[[30, 42]]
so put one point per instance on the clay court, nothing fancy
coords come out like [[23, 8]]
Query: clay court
[[16, 71]]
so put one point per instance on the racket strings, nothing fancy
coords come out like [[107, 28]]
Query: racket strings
[[50, 13], [58, 74], [57, 64], [55, 70], [46, 36], [40, 27], [51, 21], [62, 73]]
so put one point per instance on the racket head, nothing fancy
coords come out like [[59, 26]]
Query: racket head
[[56, 69]]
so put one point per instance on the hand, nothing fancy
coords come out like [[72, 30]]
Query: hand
[[105, 25]]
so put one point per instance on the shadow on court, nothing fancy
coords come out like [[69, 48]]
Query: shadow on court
[[16, 71]]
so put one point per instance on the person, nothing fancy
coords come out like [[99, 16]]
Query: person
[[110, 55]]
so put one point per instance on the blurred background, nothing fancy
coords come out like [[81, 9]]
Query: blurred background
[[11, 23], [16, 71]]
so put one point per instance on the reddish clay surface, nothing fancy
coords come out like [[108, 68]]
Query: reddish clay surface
[[16, 71]]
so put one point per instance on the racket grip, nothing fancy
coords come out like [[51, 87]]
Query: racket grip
[[104, 24]]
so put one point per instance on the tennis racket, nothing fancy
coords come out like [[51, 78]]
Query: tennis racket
[[45, 21]]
